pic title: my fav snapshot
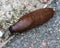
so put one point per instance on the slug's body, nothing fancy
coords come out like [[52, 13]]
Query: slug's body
[[32, 19]]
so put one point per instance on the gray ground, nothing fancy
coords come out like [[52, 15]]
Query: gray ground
[[49, 33]]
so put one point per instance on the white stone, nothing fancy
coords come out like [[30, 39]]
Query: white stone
[[1, 33]]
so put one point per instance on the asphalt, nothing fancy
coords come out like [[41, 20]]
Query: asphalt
[[45, 36]]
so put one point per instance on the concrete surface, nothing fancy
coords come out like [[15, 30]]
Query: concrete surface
[[45, 36]]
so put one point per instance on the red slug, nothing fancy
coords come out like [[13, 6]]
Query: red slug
[[31, 20]]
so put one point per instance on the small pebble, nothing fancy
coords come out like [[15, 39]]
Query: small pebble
[[43, 43], [1, 34]]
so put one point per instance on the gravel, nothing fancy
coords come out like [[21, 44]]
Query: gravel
[[45, 36]]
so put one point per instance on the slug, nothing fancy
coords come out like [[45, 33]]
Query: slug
[[31, 20]]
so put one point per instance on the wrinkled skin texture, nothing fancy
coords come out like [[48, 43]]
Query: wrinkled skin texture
[[32, 20]]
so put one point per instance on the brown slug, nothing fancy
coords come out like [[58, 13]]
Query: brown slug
[[31, 20]]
